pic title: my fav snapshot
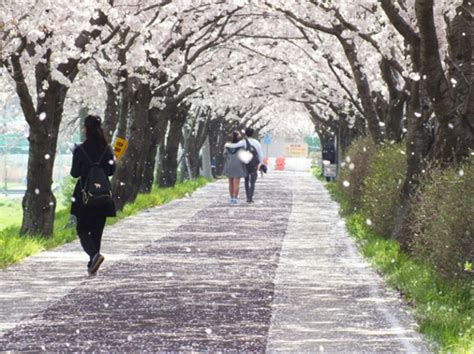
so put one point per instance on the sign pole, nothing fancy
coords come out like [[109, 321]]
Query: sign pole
[[266, 142]]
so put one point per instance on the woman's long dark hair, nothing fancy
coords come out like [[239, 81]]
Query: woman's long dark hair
[[94, 132], [235, 137]]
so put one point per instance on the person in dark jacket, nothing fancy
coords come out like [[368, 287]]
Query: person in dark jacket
[[90, 221], [329, 155]]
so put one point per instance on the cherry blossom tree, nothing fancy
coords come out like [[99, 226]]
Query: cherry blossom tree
[[167, 74], [43, 45]]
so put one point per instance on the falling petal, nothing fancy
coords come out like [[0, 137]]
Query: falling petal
[[415, 76]]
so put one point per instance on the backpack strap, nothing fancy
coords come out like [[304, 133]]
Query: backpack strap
[[88, 157], [92, 163], [247, 143], [86, 154], [102, 156]]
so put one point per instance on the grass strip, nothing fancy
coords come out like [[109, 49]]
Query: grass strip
[[10, 211], [443, 309], [14, 247]]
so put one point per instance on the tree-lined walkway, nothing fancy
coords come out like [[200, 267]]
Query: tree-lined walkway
[[198, 274]]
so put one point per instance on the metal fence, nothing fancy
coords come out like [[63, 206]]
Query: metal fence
[[13, 172]]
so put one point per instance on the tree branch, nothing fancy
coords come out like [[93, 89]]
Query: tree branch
[[345, 88], [22, 90], [399, 22]]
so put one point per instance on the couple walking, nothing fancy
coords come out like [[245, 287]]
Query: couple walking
[[237, 166]]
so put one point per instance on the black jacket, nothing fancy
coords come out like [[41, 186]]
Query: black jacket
[[80, 168], [329, 152]]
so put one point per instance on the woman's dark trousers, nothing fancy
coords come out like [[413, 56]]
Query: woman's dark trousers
[[90, 229]]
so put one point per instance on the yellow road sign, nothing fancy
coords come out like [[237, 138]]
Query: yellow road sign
[[119, 147], [296, 150]]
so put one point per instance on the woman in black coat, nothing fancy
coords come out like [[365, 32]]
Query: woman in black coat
[[91, 221]]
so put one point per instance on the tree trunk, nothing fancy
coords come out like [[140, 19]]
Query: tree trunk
[[394, 108], [187, 144], [217, 139], [127, 178], [124, 110], [418, 140], [363, 89], [169, 163], [160, 120], [347, 134], [461, 46], [195, 142], [111, 114], [194, 161], [418, 137], [394, 119], [39, 203], [454, 135], [206, 159], [161, 153]]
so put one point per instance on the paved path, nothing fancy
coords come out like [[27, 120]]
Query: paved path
[[200, 275]]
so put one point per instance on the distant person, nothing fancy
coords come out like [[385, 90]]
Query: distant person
[[93, 152], [252, 168], [234, 169], [329, 155], [213, 167]]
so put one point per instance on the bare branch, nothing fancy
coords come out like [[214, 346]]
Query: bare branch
[[399, 22], [263, 55], [151, 7], [314, 26], [345, 88], [22, 90]]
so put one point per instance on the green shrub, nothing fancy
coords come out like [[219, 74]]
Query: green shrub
[[316, 170], [67, 189], [381, 192], [438, 280], [10, 212], [442, 220], [443, 307], [354, 170]]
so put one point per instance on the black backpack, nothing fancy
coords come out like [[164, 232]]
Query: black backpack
[[96, 190], [253, 163]]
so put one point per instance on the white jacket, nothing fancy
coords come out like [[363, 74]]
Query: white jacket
[[255, 143]]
